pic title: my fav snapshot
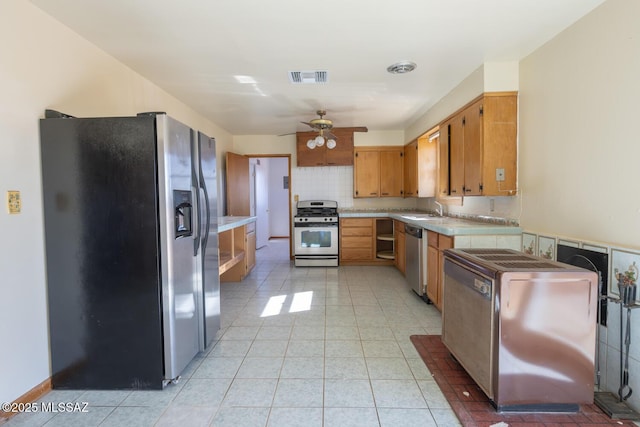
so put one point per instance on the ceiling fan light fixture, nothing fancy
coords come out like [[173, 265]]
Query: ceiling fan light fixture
[[319, 141], [402, 67], [331, 144], [311, 144]]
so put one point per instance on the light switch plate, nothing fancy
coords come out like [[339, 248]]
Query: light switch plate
[[500, 174], [14, 203]]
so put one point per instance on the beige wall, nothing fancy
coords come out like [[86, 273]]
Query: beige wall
[[44, 65], [579, 170]]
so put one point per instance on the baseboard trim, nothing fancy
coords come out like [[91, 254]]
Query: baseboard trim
[[31, 396]]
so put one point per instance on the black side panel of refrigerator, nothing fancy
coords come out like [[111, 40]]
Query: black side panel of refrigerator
[[101, 231]]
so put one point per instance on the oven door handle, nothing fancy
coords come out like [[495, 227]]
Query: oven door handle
[[315, 225]]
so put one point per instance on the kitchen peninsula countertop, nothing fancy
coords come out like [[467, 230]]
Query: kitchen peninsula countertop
[[230, 222], [450, 226]]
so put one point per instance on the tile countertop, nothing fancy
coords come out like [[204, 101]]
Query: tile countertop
[[230, 222], [449, 226]]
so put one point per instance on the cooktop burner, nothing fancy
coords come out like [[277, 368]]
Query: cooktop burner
[[503, 260]]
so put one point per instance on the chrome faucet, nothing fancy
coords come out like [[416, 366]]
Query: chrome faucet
[[439, 209]]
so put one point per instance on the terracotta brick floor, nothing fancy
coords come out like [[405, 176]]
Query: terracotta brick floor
[[474, 409]]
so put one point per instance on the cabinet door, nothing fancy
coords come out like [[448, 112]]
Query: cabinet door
[[411, 169], [342, 154], [433, 278], [456, 155], [427, 166], [473, 149], [366, 173], [391, 177], [250, 252], [500, 130], [444, 143], [400, 256]]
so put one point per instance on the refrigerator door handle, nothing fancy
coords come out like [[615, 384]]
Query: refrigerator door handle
[[196, 235], [207, 222]]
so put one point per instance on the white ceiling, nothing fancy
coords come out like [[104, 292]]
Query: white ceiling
[[195, 49]]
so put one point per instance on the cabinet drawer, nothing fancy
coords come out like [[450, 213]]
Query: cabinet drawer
[[356, 231], [356, 242], [356, 222], [445, 242], [352, 254]]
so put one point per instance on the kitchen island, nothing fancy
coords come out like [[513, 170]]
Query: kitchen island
[[237, 243]]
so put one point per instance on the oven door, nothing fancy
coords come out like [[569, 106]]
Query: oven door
[[316, 239]]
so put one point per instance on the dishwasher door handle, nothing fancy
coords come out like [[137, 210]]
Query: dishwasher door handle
[[414, 231]]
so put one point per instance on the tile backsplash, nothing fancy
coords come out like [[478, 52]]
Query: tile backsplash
[[336, 183], [324, 183]]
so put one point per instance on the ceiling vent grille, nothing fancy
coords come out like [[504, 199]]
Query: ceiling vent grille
[[308, 77]]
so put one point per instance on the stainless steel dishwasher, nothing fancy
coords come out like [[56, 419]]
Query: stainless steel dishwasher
[[413, 253]]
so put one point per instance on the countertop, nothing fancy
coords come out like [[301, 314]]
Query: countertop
[[449, 226], [230, 222]]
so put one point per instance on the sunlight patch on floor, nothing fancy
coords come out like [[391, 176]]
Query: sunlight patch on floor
[[301, 301]]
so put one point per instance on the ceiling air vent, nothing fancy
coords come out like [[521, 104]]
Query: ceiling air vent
[[308, 77]]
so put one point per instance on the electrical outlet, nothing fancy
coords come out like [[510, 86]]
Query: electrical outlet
[[500, 174], [14, 203]]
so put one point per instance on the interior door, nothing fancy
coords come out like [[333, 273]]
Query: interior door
[[238, 185], [262, 203]]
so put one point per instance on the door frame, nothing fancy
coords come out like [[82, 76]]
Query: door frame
[[288, 157]]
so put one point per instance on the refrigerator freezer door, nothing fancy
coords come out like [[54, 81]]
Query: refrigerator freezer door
[[180, 284], [209, 252], [101, 232]]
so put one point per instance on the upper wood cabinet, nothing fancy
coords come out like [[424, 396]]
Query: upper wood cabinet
[[341, 155], [478, 148], [377, 171], [420, 166]]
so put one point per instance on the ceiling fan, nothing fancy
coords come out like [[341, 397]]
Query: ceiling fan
[[323, 127]]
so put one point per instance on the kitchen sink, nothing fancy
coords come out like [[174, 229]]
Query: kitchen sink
[[421, 217]]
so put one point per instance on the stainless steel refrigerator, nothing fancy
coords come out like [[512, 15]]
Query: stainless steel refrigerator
[[130, 216]]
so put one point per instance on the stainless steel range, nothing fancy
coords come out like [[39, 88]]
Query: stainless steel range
[[523, 327], [316, 233]]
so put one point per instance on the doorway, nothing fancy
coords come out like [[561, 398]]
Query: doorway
[[270, 194]]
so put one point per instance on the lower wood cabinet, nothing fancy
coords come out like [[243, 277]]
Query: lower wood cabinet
[[437, 243], [237, 252], [366, 241]]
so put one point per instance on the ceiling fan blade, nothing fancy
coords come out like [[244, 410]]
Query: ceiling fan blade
[[309, 124], [330, 135], [290, 133]]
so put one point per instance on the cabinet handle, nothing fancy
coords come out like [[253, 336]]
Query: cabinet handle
[[384, 194], [453, 191], [467, 190], [373, 194]]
